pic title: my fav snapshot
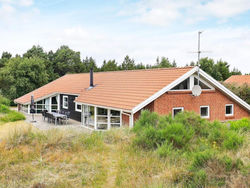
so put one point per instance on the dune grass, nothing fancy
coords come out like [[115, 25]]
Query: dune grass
[[117, 158]]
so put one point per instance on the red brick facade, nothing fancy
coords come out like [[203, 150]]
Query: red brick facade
[[214, 99]]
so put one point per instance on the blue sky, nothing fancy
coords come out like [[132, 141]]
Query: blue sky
[[143, 29]]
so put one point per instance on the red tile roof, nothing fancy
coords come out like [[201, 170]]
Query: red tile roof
[[118, 89], [238, 79]]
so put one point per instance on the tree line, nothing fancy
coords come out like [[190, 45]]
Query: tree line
[[21, 74]]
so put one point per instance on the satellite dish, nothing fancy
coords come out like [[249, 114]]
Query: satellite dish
[[196, 91]]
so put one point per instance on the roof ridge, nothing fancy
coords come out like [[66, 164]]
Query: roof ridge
[[134, 70]]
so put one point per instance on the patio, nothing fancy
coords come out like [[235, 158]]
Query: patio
[[45, 125]]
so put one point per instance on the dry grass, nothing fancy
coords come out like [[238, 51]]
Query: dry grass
[[59, 158]]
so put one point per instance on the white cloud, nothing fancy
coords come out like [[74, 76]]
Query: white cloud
[[26, 3], [230, 44], [11, 12], [162, 12]]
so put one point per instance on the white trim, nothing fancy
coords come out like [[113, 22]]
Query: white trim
[[95, 118], [191, 82], [226, 110], [208, 113], [58, 102], [177, 108], [106, 107], [164, 90], [131, 121], [204, 82], [28, 109], [185, 76], [47, 96], [50, 103], [109, 125], [76, 109], [225, 90], [63, 105]]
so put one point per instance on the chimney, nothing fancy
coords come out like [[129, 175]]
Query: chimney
[[91, 84]]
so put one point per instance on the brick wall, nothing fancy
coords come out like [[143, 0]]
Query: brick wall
[[214, 99], [149, 107], [125, 120]]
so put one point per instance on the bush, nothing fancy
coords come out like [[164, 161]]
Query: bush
[[177, 134], [240, 125], [191, 119], [147, 119], [4, 109], [4, 101], [232, 140], [165, 149], [217, 132], [148, 138], [12, 116], [200, 159]]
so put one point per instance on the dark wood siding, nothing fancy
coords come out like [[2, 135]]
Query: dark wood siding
[[71, 107]]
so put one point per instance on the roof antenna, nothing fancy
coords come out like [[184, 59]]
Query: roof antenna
[[199, 54], [196, 90]]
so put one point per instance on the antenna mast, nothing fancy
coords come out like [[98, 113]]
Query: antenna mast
[[199, 54]]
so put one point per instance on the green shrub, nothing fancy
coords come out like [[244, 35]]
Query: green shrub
[[148, 138], [4, 101], [4, 109], [191, 119], [232, 140], [12, 116], [217, 131], [165, 149], [200, 159], [177, 134], [240, 125], [147, 119]]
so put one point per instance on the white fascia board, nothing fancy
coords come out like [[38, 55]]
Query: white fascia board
[[164, 90], [107, 107], [47, 96], [224, 89]]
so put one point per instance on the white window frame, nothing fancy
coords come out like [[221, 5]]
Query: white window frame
[[77, 109], [232, 105], [177, 108], [204, 82], [208, 114], [65, 107]]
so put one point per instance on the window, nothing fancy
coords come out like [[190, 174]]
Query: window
[[115, 118], [65, 102], [229, 109], [177, 110], [78, 107], [204, 111], [202, 85], [182, 86]]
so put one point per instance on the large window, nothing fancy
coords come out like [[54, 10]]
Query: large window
[[88, 116], [229, 109], [202, 85], [177, 110], [102, 118], [115, 119], [183, 85], [204, 111], [65, 102]]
